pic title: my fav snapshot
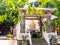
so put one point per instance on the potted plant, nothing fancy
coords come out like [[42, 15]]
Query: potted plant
[[9, 36]]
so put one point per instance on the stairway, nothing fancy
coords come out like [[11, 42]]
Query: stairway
[[39, 42]]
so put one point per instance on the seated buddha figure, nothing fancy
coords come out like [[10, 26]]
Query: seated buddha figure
[[32, 25]]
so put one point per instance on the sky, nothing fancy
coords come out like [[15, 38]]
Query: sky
[[32, 0]]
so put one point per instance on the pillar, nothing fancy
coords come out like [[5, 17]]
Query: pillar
[[40, 23], [48, 24], [22, 24], [24, 40]]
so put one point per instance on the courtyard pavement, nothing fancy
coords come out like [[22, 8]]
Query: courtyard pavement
[[8, 42]]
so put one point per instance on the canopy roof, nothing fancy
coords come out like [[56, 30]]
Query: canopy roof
[[43, 9]]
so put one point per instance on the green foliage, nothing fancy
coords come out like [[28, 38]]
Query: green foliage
[[56, 22], [2, 7], [54, 4], [2, 11], [2, 18], [42, 2], [9, 15], [9, 10], [9, 36]]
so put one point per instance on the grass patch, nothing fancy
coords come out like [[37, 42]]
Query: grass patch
[[37, 38]]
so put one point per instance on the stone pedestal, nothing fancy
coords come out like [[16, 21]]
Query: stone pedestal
[[24, 40]]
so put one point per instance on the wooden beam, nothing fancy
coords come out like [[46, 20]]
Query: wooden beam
[[32, 15], [43, 9], [32, 18]]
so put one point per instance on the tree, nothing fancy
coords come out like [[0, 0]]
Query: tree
[[55, 4], [9, 15], [57, 13]]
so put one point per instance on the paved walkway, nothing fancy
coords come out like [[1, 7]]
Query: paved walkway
[[39, 42], [8, 42]]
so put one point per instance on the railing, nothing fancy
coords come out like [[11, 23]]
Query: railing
[[58, 39], [28, 37], [47, 36]]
